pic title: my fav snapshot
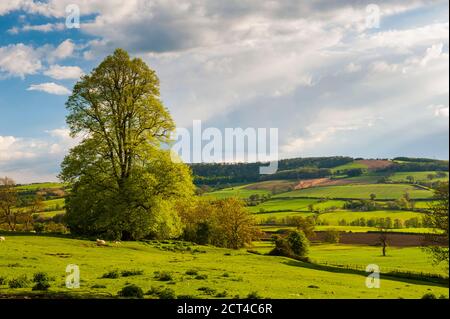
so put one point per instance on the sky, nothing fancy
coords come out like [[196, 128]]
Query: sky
[[357, 78]]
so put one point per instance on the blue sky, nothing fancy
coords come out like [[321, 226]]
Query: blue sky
[[329, 81]]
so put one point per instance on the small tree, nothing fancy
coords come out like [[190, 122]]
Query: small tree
[[373, 196], [437, 218], [299, 243]]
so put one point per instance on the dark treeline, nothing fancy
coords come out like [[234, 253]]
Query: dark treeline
[[295, 168], [419, 166]]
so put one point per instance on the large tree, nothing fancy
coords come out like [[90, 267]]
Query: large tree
[[123, 184]]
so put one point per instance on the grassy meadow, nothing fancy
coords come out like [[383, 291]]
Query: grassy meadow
[[201, 271]]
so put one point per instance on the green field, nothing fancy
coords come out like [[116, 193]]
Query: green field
[[418, 177], [238, 273], [295, 205], [349, 216], [54, 203], [34, 187], [382, 191], [412, 259], [347, 166], [238, 191]]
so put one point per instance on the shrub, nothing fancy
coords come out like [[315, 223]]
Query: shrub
[[207, 290], [429, 295], [113, 274], [201, 277], [3, 281], [299, 243], [282, 248], [163, 276], [185, 297], [253, 295], [128, 273], [41, 286], [131, 291], [19, 282], [41, 277], [167, 294], [192, 272], [222, 294]]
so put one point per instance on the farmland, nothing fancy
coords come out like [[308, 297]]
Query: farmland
[[382, 191], [333, 270]]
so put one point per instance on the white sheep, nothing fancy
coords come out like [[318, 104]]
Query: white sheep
[[2, 238], [101, 242]]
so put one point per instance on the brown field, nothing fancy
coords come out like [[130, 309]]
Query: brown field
[[372, 239], [307, 183], [274, 186], [374, 164]]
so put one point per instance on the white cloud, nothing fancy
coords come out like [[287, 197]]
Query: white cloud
[[50, 87], [48, 27], [34, 160], [64, 50], [440, 110], [59, 72], [19, 60]]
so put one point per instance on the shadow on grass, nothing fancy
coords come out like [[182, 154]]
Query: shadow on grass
[[418, 279]]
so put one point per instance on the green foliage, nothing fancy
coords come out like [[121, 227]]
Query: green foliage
[[437, 217], [41, 286], [295, 245], [128, 273], [123, 185], [163, 276], [3, 280], [254, 295], [131, 291], [429, 295], [41, 277], [298, 243], [19, 282], [223, 223], [113, 274]]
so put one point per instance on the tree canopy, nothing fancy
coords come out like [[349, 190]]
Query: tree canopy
[[124, 185]]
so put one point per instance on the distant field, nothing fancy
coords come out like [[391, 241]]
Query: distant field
[[334, 217], [54, 203], [353, 229], [283, 204], [229, 272], [382, 191], [403, 259], [52, 213], [277, 186], [33, 187], [412, 259], [279, 215], [238, 191], [350, 165], [418, 176]]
